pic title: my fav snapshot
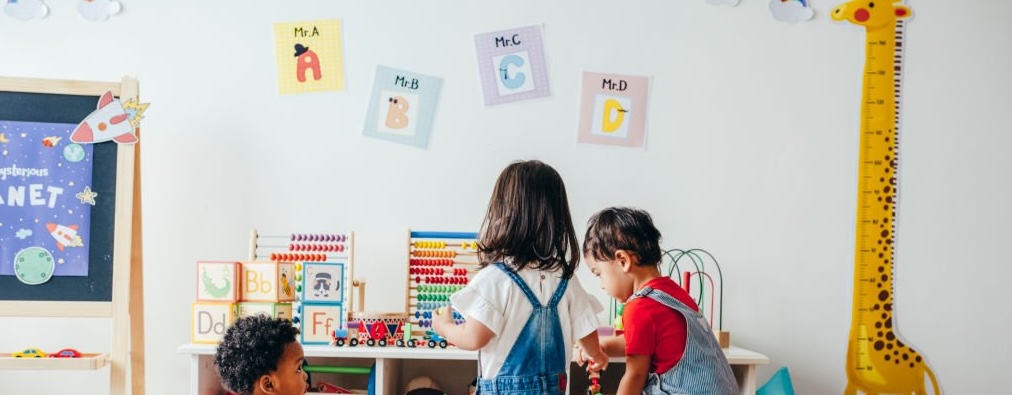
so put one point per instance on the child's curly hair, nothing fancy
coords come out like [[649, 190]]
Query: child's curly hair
[[252, 348]]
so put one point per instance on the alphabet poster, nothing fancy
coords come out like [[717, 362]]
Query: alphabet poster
[[613, 109], [45, 201], [511, 64], [309, 56], [402, 106]]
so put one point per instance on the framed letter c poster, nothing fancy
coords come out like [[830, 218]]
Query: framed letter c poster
[[613, 109], [511, 64]]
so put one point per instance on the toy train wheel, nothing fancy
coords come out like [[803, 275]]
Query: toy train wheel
[[432, 344], [340, 342], [400, 343], [370, 342], [353, 342], [412, 343], [383, 342], [443, 344]]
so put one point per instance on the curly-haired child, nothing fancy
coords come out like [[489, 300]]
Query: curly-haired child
[[261, 356]]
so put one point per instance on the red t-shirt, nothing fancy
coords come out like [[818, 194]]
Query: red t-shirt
[[654, 329]]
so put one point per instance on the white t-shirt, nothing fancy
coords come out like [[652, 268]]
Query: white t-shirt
[[493, 299]]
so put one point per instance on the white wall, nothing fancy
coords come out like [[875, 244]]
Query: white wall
[[753, 130]]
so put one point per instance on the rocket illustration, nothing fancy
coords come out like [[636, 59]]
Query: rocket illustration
[[109, 122], [66, 236]]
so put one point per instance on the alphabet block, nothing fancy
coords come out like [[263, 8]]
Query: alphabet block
[[321, 282], [268, 281], [210, 321], [218, 281], [273, 310], [319, 322]]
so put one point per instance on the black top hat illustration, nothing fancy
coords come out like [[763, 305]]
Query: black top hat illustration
[[300, 49]]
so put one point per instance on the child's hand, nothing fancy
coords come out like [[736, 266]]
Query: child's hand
[[598, 362], [442, 319]]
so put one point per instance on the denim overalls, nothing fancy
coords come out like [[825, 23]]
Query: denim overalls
[[537, 362], [703, 369]]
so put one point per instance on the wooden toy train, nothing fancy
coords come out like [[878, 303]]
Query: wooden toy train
[[384, 329]]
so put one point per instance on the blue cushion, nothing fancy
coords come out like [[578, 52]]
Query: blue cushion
[[779, 384]]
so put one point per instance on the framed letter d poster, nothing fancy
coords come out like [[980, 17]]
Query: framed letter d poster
[[613, 110]]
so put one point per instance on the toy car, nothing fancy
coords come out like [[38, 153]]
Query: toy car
[[66, 353], [30, 352]]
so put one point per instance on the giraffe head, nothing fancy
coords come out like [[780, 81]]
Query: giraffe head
[[871, 13]]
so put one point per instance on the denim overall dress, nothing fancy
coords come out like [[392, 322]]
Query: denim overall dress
[[703, 369], [537, 362]]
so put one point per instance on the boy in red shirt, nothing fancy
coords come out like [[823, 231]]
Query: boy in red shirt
[[668, 345]]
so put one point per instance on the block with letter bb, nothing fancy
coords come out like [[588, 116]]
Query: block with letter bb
[[265, 281]]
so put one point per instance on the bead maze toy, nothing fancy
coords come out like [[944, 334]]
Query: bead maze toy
[[878, 361], [323, 265], [439, 264], [711, 305]]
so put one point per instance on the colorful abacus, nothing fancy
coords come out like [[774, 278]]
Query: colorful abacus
[[324, 278], [439, 264]]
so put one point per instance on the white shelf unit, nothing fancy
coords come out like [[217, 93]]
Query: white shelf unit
[[393, 362]]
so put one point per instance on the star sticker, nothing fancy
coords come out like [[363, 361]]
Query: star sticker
[[60, 261], [87, 196]]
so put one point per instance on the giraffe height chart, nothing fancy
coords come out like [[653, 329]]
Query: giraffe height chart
[[878, 362]]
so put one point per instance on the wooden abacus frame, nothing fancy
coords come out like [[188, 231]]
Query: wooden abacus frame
[[445, 250]]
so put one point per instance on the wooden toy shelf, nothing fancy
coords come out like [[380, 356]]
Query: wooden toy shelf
[[85, 362], [395, 366]]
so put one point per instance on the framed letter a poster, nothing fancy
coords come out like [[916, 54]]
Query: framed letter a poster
[[309, 56]]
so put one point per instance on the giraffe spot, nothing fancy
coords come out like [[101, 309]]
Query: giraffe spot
[[885, 233], [886, 189], [890, 336], [917, 358], [878, 345], [885, 207], [880, 198], [882, 296], [887, 357], [875, 307], [881, 179], [897, 361], [881, 268], [889, 323], [878, 325], [899, 343], [911, 364], [887, 157], [879, 285], [884, 316], [905, 356], [880, 334], [885, 277], [888, 306], [889, 199], [889, 241], [896, 353], [889, 346]]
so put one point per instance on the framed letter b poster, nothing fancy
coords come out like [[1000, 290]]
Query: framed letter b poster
[[613, 110], [402, 106]]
